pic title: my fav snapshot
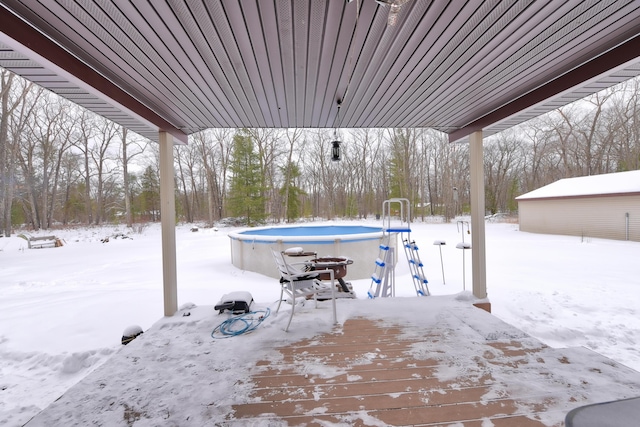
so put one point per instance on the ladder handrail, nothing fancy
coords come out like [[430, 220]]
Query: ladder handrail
[[383, 278]]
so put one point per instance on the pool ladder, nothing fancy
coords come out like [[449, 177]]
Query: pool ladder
[[383, 277]]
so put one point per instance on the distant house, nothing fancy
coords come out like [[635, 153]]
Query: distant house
[[605, 206]]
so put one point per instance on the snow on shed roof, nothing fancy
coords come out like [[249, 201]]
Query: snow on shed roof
[[610, 183]]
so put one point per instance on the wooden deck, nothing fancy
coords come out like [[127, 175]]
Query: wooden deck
[[434, 362], [367, 374]]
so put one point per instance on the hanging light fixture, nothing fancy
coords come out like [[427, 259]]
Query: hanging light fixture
[[394, 9], [335, 144], [335, 151]]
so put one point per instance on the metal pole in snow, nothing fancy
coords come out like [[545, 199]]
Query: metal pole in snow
[[440, 243], [463, 245]]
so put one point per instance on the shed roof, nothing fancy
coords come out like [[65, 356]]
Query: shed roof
[[584, 186]]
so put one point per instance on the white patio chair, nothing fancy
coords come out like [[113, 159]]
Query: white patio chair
[[296, 283]]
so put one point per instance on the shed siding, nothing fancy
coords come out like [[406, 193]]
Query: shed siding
[[601, 217]]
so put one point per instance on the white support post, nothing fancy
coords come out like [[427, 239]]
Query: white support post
[[168, 223], [478, 250]]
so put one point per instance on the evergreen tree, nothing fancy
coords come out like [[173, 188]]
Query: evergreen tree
[[290, 192], [246, 198], [150, 194], [400, 163]]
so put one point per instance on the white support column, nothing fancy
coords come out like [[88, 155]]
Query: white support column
[[478, 251], [168, 222]]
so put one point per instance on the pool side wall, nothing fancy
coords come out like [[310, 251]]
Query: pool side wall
[[255, 255]]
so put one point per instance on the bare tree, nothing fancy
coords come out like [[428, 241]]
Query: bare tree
[[100, 153], [40, 153], [64, 141], [18, 99], [85, 130], [214, 150], [186, 158], [293, 137], [128, 155], [501, 166], [71, 174], [623, 122]]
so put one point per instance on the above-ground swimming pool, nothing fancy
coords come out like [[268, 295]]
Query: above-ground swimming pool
[[251, 248]]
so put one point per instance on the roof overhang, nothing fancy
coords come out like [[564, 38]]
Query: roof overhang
[[183, 66]]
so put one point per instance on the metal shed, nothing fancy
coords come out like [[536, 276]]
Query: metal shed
[[605, 206]]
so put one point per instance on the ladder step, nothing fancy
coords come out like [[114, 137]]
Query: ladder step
[[375, 279], [419, 264], [411, 246], [380, 262], [421, 279], [384, 247]]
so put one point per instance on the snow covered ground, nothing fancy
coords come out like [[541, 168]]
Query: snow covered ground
[[63, 310]]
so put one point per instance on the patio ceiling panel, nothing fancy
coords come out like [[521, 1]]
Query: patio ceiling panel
[[187, 65], [342, 46], [247, 59], [561, 91], [180, 64], [407, 71], [385, 61], [34, 72], [475, 38], [313, 41], [563, 43], [269, 47], [216, 43], [502, 46], [117, 41]]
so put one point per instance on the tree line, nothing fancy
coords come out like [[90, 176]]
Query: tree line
[[61, 164]]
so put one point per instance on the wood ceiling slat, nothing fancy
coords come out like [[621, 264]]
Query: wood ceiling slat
[[524, 81], [332, 78], [70, 26], [512, 24], [281, 63], [463, 101], [493, 91], [111, 37], [256, 61], [492, 22], [621, 54], [216, 56], [183, 39], [425, 62], [274, 16], [425, 44], [286, 67], [166, 57], [317, 23], [459, 99], [74, 91], [484, 24], [379, 63], [26, 72], [237, 43], [300, 43]]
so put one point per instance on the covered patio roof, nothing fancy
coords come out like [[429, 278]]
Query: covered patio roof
[[185, 65]]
